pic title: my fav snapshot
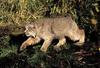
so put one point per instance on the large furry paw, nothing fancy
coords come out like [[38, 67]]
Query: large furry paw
[[43, 50], [57, 48], [22, 48]]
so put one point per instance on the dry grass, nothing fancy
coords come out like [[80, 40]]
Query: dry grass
[[21, 11]]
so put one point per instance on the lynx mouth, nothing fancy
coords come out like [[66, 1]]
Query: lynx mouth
[[33, 36], [30, 34]]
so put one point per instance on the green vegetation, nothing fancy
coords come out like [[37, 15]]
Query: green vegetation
[[20, 11], [15, 13]]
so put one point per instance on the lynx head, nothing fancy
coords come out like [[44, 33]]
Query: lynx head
[[30, 30]]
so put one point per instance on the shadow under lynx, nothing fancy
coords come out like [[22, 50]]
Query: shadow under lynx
[[51, 28]]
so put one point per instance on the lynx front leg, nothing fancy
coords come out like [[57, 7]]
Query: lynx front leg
[[46, 44], [28, 42], [61, 42]]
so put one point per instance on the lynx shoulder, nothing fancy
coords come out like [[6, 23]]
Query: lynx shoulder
[[51, 28]]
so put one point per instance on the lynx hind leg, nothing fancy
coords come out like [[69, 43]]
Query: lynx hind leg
[[28, 42], [61, 42]]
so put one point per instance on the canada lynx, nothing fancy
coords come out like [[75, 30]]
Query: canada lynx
[[51, 28]]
